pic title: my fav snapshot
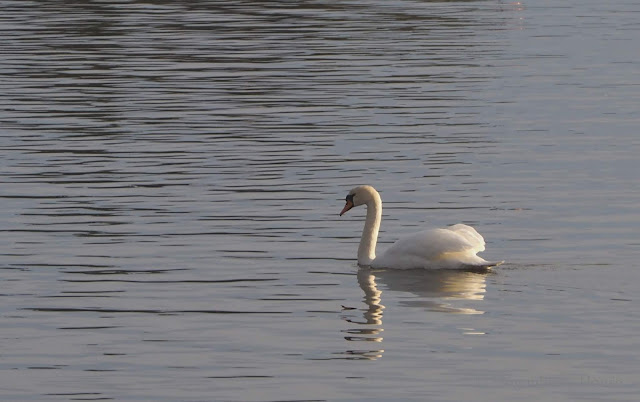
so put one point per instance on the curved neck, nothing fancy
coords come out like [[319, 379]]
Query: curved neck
[[367, 248]]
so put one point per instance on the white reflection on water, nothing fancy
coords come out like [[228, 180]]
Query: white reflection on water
[[431, 290]]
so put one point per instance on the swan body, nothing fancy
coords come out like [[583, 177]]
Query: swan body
[[453, 247]]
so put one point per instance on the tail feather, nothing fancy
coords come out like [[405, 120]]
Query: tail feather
[[490, 264]]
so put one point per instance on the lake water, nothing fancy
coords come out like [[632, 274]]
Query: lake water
[[172, 173]]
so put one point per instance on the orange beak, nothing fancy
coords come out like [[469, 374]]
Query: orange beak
[[347, 207]]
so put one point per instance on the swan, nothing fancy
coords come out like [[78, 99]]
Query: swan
[[453, 247]]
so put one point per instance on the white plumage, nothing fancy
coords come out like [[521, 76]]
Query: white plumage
[[453, 247]]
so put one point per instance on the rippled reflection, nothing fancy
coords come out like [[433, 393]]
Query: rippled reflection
[[436, 290], [431, 290]]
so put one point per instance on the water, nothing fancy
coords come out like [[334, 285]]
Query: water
[[172, 174]]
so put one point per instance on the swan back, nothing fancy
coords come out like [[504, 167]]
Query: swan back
[[474, 238], [452, 247]]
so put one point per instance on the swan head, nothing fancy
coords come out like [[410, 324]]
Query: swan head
[[361, 195]]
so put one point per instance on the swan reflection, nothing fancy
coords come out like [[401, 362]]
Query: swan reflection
[[430, 290]]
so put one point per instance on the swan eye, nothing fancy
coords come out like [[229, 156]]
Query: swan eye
[[350, 197]]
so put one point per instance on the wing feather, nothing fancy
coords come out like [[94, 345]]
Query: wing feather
[[457, 243]]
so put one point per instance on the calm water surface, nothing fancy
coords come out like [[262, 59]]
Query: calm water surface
[[172, 173]]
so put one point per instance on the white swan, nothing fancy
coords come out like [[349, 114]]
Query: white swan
[[454, 247]]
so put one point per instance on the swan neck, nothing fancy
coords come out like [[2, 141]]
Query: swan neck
[[367, 248]]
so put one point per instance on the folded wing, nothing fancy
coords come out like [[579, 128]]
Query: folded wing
[[435, 248]]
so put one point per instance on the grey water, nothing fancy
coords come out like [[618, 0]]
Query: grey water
[[171, 175]]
